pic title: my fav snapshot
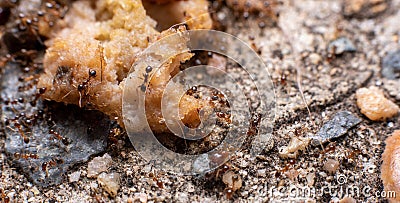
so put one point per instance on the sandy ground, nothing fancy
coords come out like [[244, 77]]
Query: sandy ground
[[298, 43]]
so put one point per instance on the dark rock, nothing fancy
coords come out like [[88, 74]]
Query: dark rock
[[391, 65], [45, 156], [336, 127]]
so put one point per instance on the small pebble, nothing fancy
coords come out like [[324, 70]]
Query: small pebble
[[331, 165], [110, 182], [336, 127], [315, 58], [348, 200], [341, 45], [74, 177], [374, 105], [391, 65]]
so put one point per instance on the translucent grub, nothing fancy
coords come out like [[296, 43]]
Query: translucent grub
[[110, 182], [296, 144], [374, 105], [390, 171], [337, 126], [98, 165]]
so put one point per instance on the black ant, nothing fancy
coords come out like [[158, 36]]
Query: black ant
[[83, 88], [64, 140], [146, 78]]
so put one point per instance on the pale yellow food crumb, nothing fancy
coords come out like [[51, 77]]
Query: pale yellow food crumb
[[390, 170], [374, 105]]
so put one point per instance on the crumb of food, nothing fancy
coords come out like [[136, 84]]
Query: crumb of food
[[193, 13], [331, 165], [374, 105], [87, 63], [390, 171], [110, 182], [296, 144]]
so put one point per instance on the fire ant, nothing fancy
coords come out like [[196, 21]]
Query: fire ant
[[156, 179], [289, 165], [51, 163], [25, 156], [64, 140], [4, 196], [146, 78], [40, 92], [18, 125]]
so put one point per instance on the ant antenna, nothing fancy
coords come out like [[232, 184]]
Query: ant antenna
[[101, 50], [295, 52]]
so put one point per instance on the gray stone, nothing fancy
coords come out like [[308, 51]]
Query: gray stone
[[82, 133], [336, 127], [341, 45], [391, 65]]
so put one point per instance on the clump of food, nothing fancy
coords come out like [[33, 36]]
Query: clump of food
[[390, 173], [88, 61], [193, 13], [374, 105]]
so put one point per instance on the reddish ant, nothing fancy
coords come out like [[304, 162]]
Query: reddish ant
[[18, 125], [156, 179], [51, 163], [83, 88], [4, 196], [25, 156], [64, 140]]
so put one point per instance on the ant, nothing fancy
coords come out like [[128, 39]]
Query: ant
[[146, 78], [64, 140], [83, 88], [51, 163], [156, 179], [25, 156], [4, 196], [18, 125]]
